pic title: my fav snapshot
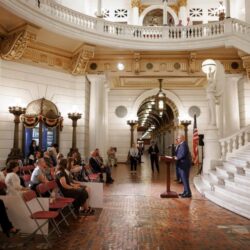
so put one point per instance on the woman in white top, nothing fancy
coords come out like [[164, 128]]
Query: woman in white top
[[133, 155], [12, 180]]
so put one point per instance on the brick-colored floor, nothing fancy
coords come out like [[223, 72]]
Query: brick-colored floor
[[135, 217]]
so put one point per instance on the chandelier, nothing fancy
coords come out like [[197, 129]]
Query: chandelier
[[160, 100]]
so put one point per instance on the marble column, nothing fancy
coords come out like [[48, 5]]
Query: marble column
[[183, 12], [165, 12], [98, 121], [228, 10], [247, 11], [99, 8], [135, 5]]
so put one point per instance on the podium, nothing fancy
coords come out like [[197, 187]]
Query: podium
[[168, 193]]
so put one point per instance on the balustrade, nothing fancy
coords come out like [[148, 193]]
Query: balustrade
[[163, 34], [234, 142]]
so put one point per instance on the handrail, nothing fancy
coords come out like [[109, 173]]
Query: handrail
[[77, 24], [234, 142]]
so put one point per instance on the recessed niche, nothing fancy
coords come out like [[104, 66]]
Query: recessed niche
[[93, 66], [194, 110], [177, 66], [149, 66], [121, 111], [234, 65]]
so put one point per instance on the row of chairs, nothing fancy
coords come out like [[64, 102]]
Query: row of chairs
[[58, 207]]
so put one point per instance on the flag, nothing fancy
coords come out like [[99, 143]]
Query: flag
[[195, 143]]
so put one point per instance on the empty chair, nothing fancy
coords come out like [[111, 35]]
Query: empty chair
[[48, 216]]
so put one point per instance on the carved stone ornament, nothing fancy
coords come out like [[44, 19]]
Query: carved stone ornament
[[14, 45], [135, 3], [182, 3], [192, 62], [137, 63], [246, 64], [81, 59]]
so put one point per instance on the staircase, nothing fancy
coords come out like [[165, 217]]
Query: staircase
[[228, 183]]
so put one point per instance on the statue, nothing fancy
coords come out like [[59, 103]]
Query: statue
[[212, 101]]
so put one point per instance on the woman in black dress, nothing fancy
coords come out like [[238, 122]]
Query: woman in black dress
[[72, 190]]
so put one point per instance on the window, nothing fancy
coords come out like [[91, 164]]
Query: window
[[196, 12], [106, 13], [121, 13], [212, 12]]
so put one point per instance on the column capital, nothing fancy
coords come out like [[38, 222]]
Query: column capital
[[246, 64], [81, 59], [135, 3], [97, 78], [15, 43], [182, 3]]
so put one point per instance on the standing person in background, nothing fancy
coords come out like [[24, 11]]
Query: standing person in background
[[154, 156], [133, 156], [183, 162], [33, 148]]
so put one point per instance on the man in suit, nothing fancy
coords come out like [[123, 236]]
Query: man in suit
[[154, 155], [183, 163]]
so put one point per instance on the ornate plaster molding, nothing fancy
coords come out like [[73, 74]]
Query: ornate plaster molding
[[14, 45], [81, 59], [182, 3], [192, 62], [246, 64], [137, 58], [135, 3]]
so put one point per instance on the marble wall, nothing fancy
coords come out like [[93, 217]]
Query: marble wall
[[21, 84], [119, 131]]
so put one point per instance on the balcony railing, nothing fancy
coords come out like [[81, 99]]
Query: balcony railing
[[75, 24]]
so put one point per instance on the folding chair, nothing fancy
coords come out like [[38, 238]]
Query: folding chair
[[41, 189], [26, 179], [48, 216], [52, 186]]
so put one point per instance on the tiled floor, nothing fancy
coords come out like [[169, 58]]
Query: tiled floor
[[135, 217]]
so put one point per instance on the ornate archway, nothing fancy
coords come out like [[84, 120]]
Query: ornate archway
[[158, 7]]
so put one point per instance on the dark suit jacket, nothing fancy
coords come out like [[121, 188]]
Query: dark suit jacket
[[95, 165], [153, 152], [183, 156]]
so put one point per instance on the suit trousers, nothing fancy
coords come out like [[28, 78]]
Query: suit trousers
[[184, 173], [154, 161], [133, 163]]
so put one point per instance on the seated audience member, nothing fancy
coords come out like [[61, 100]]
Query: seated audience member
[[5, 223], [72, 167], [53, 156], [72, 190], [112, 160], [3, 173], [59, 157], [12, 180], [98, 167], [49, 165], [38, 175], [77, 158]]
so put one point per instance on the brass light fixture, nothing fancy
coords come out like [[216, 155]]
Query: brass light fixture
[[160, 100]]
